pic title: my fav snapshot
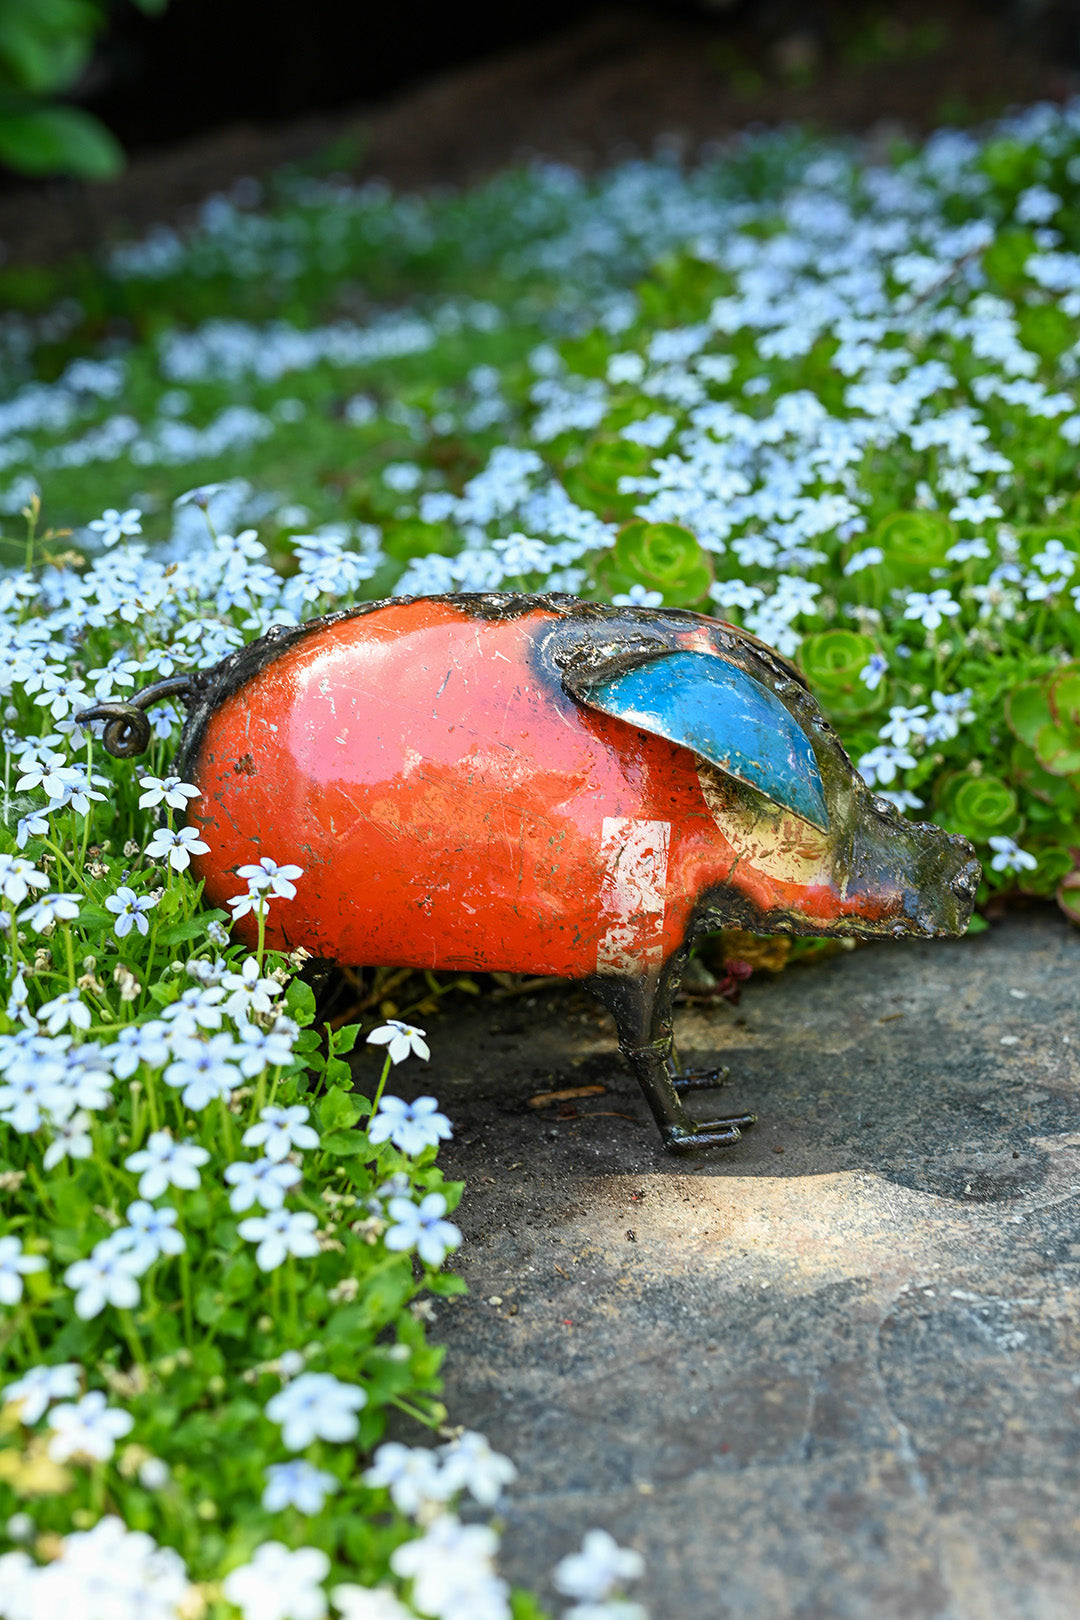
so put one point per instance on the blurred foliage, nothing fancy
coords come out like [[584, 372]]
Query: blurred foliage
[[45, 45]]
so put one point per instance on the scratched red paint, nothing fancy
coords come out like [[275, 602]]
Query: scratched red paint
[[448, 804]]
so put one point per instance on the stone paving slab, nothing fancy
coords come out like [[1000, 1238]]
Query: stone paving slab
[[832, 1372]]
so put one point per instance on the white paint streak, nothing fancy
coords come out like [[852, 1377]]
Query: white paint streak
[[632, 894]]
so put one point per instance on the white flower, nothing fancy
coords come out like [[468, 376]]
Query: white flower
[[873, 673], [107, 1573], [598, 1569], [261, 1049], [48, 772], [165, 1163], [280, 1584], [38, 1387], [178, 847], [367, 1603], [18, 1002], [1055, 561], [930, 609], [37, 1072], [71, 1140], [451, 1570], [638, 596], [411, 1474], [18, 876], [193, 1010], [421, 1227], [470, 1464], [869, 557], [400, 1039], [249, 991], [280, 1130], [968, 550], [130, 910], [411, 1127], [903, 724], [114, 526], [203, 1071], [316, 1406], [1010, 857], [882, 763], [280, 1234], [66, 1008], [266, 1181], [87, 1428], [106, 1278], [201, 495], [139, 1043], [269, 876], [153, 1474], [32, 825], [149, 1234], [901, 799], [253, 903], [49, 910], [297, 1484], [168, 790], [14, 1266]]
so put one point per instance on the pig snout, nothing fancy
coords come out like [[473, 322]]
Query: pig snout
[[911, 877]]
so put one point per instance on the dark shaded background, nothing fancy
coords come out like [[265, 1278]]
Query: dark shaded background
[[208, 62], [216, 91]]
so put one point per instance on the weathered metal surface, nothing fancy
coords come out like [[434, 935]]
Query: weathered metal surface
[[550, 786], [723, 714]]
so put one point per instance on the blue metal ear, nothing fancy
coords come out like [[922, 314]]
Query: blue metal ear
[[723, 714]]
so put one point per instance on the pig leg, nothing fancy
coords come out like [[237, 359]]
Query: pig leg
[[642, 1012]]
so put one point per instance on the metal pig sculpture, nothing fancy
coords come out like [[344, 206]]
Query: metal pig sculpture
[[546, 785]]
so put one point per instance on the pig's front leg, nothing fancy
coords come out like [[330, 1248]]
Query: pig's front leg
[[642, 1012]]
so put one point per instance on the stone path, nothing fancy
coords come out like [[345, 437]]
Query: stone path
[[832, 1372]]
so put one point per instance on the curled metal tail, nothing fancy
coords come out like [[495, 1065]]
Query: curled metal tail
[[127, 729]]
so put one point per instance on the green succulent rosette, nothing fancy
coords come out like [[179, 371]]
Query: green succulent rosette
[[594, 482], [663, 557], [832, 661], [1056, 862], [913, 543], [979, 807], [1068, 896], [1045, 716]]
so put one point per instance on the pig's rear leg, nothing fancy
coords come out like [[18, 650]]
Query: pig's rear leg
[[642, 1012]]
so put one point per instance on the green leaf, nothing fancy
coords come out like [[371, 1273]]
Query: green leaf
[[446, 1284], [343, 1040], [524, 1606], [346, 1144], [59, 140], [190, 928], [340, 1109], [300, 1002]]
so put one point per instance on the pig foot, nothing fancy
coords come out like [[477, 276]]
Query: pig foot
[[700, 1079], [709, 1133], [642, 1010]]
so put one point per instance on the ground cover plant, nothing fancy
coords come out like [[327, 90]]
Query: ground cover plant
[[831, 400]]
